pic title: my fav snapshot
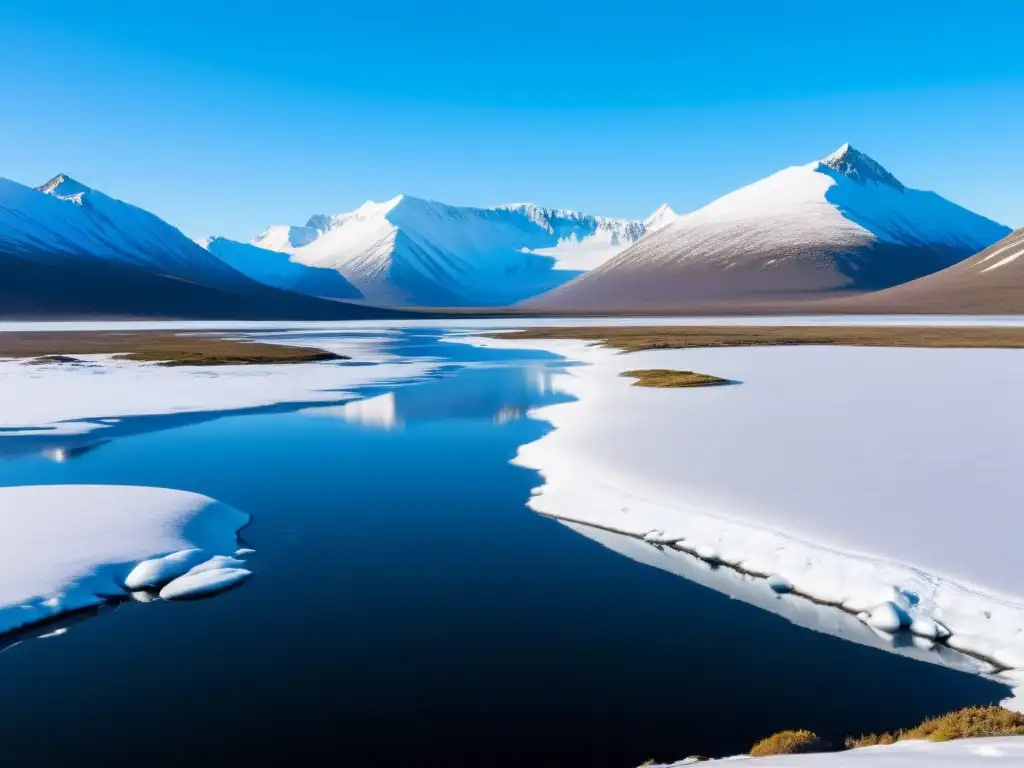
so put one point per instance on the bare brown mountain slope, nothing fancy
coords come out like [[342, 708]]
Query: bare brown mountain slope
[[990, 282]]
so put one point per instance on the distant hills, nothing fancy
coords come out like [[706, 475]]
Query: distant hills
[[842, 229], [841, 224], [408, 251]]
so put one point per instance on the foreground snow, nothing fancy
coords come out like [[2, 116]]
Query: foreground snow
[[963, 753], [68, 547], [884, 481]]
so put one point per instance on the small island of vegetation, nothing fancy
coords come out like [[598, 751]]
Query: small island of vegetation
[[667, 378]]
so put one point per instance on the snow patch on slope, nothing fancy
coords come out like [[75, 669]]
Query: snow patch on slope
[[844, 201]]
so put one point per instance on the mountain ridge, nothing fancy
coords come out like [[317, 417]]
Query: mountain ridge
[[842, 223], [413, 251], [69, 249]]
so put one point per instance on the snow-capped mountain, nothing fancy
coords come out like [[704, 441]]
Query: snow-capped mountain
[[63, 218], [990, 282], [660, 219], [840, 223], [68, 249], [408, 251], [277, 269]]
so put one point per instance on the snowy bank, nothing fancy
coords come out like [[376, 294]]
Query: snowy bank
[[68, 547], [962, 753], [62, 399], [882, 481]]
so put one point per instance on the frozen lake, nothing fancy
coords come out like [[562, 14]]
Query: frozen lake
[[406, 605]]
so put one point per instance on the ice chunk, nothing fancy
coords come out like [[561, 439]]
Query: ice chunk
[[886, 617], [215, 562], [204, 583], [160, 570]]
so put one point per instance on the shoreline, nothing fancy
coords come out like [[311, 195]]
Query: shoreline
[[164, 348], [623, 437], [640, 338]]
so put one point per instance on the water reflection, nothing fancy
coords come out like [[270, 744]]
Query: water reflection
[[380, 409], [499, 394]]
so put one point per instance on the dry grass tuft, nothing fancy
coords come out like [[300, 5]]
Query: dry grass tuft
[[788, 743], [870, 740], [971, 722], [664, 377]]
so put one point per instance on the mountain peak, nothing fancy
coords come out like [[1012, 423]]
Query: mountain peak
[[855, 165], [64, 187], [662, 217]]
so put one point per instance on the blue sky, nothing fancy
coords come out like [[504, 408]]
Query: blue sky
[[226, 117]]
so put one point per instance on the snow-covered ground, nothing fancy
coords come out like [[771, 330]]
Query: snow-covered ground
[[68, 547], [72, 399], [963, 753], [884, 481]]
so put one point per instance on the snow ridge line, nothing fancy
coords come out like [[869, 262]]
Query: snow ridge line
[[717, 562]]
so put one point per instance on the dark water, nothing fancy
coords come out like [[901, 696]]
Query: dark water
[[406, 605]]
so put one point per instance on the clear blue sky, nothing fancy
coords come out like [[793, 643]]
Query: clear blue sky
[[224, 117]]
